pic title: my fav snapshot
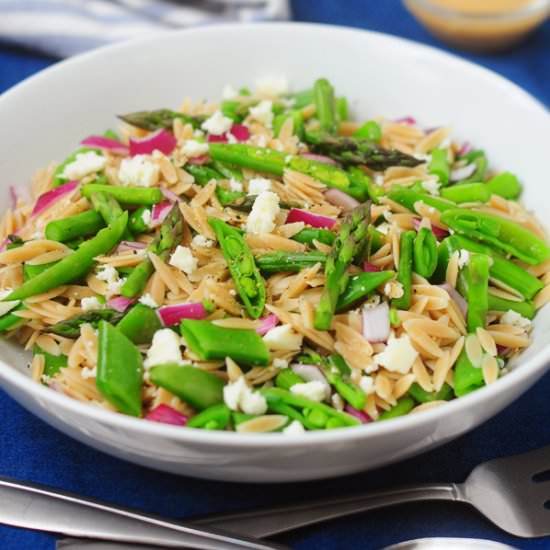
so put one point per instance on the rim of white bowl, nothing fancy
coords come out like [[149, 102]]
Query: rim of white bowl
[[311, 438]]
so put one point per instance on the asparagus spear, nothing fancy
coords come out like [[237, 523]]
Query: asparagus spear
[[70, 328], [323, 94], [170, 236], [276, 262], [160, 118], [349, 242], [109, 209]]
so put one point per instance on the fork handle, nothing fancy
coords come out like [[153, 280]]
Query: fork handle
[[265, 522]]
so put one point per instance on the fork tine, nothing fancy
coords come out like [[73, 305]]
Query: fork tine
[[529, 463]]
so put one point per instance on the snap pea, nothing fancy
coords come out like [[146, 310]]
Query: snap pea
[[439, 165], [360, 286], [467, 378], [119, 370], [404, 271], [140, 324], [408, 198], [138, 196], [506, 185], [52, 363], [203, 174], [477, 277], [31, 270], [241, 264], [425, 252], [216, 417], [369, 130], [334, 368], [525, 308], [341, 108], [136, 223], [210, 341], [422, 396], [74, 266], [227, 171], [503, 234], [467, 192], [310, 234], [302, 99], [83, 224], [323, 97], [297, 121], [230, 198], [403, 406], [286, 378], [10, 320], [479, 159], [199, 388]]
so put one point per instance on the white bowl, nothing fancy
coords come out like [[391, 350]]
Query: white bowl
[[46, 116]]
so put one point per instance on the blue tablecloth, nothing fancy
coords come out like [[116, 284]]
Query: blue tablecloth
[[29, 449]]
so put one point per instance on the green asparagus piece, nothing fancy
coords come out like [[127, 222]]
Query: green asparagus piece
[[323, 94], [136, 222], [70, 328], [333, 369], [243, 269], [370, 130], [287, 378], [109, 209], [161, 118], [422, 396], [341, 108], [138, 196], [203, 174], [348, 243], [216, 417], [310, 234], [404, 406], [360, 286], [404, 272], [439, 165], [238, 200], [276, 262], [80, 225]]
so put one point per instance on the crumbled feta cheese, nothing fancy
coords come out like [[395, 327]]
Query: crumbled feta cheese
[[337, 402], [231, 139], [271, 86], [87, 372], [515, 319], [192, 148], [183, 259], [237, 395], [83, 165], [91, 304], [201, 242], [294, 428], [217, 124], [235, 185], [280, 363], [264, 211], [314, 390], [146, 217], [110, 275], [463, 258], [398, 356], [4, 292], [263, 113], [432, 186], [366, 383], [229, 92], [148, 300], [283, 338], [379, 179], [138, 170], [198, 133], [258, 185], [165, 348]]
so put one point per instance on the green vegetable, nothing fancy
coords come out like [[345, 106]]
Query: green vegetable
[[210, 341], [439, 165], [31, 270], [323, 95], [240, 260], [370, 130], [216, 417], [477, 277], [80, 225], [360, 286], [303, 99], [58, 179], [199, 388], [525, 308], [70, 328], [422, 396], [403, 406], [161, 118], [119, 370], [297, 123], [136, 223], [467, 378], [404, 272], [10, 320], [334, 372], [479, 159], [203, 174], [233, 199], [52, 363], [341, 108], [467, 192], [287, 378], [138, 196], [140, 324], [506, 185], [310, 234], [109, 209], [407, 197], [425, 252], [275, 262]]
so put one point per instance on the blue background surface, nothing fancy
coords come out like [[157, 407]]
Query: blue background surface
[[29, 449]]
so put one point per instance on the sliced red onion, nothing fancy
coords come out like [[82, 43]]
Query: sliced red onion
[[466, 148], [463, 172], [106, 143], [370, 268], [439, 232], [222, 138], [13, 197], [457, 297], [360, 415], [159, 212], [130, 245], [161, 140], [120, 303], [409, 120], [200, 160], [297, 215], [166, 415], [170, 195], [311, 373], [319, 158], [339, 198], [48, 198], [266, 324], [240, 132], [502, 350], [376, 323], [173, 314]]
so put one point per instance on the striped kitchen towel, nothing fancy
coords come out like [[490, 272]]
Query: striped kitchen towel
[[66, 27]]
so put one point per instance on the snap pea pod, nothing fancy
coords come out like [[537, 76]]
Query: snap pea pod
[[10, 320], [70, 328], [404, 271], [350, 241], [501, 269], [210, 341], [216, 417], [199, 388], [302, 99], [360, 180], [228, 171], [243, 269], [83, 224], [109, 209], [525, 308], [136, 222], [404, 406], [57, 178], [52, 363], [477, 282], [160, 118], [425, 252], [350, 393], [203, 174], [31, 270], [74, 266], [376, 239], [439, 165], [310, 234], [286, 378], [503, 234], [138, 196], [479, 159], [275, 262], [369, 130], [341, 108], [119, 370], [467, 378], [323, 97], [506, 185], [408, 198], [360, 286], [234, 199], [297, 123], [140, 324], [422, 396], [467, 192]]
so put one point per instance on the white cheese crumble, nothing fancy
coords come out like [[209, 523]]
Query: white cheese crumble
[[432, 186], [83, 165], [463, 258], [271, 86], [235, 185], [91, 304], [237, 395], [258, 185], [217, 124], [229, 92], [294, 428], [366, 383], [148, 300], [398, 356], [314, 390], [201, 242], [88, 372], [165, 348], [146, 217], [193, 148], [183, 259], [138, 170], [337, 402], [110, 275], [280, 363], [515, 319], [283, 338], [263, 113], [264, 211]]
